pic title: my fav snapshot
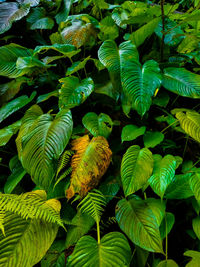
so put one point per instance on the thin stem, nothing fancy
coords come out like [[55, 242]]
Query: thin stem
[[185, 146], [145, 195], [166, 239], [169, 126], [163, 30], [98, 233]]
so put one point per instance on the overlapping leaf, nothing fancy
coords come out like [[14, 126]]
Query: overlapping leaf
[[41, 141], [140, 220], [136, 168]]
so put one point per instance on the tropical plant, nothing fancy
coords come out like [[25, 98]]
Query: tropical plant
[[100, 133]]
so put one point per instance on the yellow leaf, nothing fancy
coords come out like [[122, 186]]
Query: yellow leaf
[[89, 163]]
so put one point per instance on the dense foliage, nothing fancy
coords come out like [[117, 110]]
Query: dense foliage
[[100, 132]]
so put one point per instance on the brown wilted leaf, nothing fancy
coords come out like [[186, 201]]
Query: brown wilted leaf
[[89, 164]]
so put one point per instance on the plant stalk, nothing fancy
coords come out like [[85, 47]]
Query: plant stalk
[[98, 233]]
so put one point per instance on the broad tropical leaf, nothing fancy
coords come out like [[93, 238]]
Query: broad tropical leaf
[[139, 83], [14, 105], [131, 132], [182, 82], [8, 58], [64, 11], [195, 185], [41, 141], [152, 139], [7, 132], [15, 245], [74, 92], [10, 12], [189, 121], [167, 263], [113, 250], [140, 221], [38, 19], [98, 125], [79, 33], [89, 163], [138, 37], [136, 168], [179, 187], [109, 31], [163, 173], [93, 204], [195, 255], [76, 66]]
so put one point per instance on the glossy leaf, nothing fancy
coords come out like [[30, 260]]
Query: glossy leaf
[[67, 50], [163, 174], [136, 168], [182, 82], [189, 122], [167, 263], [196, 226], [7, 132], [98, 125], [41, 141], [113, 249], [140, 220], [195, 185], [131, 132], [76, 66], [195, 255], [74, 92], [14, 105], [8, 58], [152, 139], [179, 187], [169, 217]]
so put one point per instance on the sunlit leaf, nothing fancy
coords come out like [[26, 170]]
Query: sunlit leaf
[[131, 132]]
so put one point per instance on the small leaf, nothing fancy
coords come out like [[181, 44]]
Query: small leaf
[[167, 263], [140, 220], [152, 139], [76, 66], [74, 92], [67, 50], [131, 132], [169, 217], [195, 255], [7, 132], [196, 226], [136, 168], [98, 125]]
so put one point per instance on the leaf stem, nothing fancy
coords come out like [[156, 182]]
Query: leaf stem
[[98, 233], [169, 126], [166, 238]]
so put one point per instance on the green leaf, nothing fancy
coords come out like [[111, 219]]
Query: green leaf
[[136, 168], [140, 220], [152, 139], [139, 82], [108, 29], [29, 64], [67, 50], [93, 204], [45, 97], [39, 20], [196, 226], [167, 263], [8, 58], [131, 132], [74, 92], [64, 11], [169, 217], [182, 82], [195, 185], [162, 99], [78, 227], [15, 105], [113, 250], [98, 125], [76, 66], [41, 141], [7, 132], [189, 122], [10, 12], [138, 37], [195, 255], [163, 174], [179, 187], [14, 178]]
